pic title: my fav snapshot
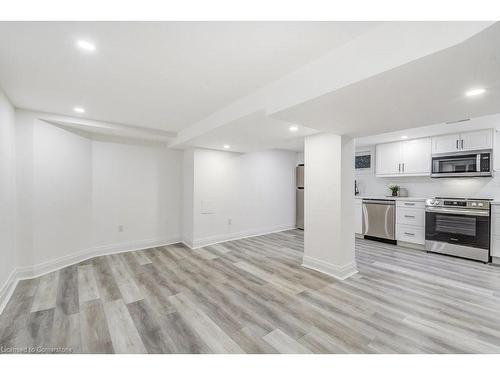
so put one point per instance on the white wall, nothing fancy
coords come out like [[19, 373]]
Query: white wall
[[300, 158], [138, 187], [255, 191], [74, 191], [62, 193], [7, 193]]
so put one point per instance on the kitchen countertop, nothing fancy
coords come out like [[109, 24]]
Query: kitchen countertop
[[392, 198]]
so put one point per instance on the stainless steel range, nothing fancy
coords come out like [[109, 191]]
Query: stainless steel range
[[459, 227]]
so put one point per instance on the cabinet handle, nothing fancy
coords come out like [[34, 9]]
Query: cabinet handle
[[409, 204], [462, 144], [409, 234], [403, 167], [409, 216], [457, 145], [399, 167]]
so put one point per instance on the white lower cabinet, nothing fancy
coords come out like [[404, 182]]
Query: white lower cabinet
[[495, 232], [495, 247], [410, 233], [410, 222], [358, 216], [410, 216]]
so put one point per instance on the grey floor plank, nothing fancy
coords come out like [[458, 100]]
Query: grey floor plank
[[108, 289], [87, 284], [121, 327], [183, 338], [210, 333], [40, 328], [66, 331], [95, 337], [150, 329], [284, 343], [67, 295], [141, 257], [46, 294], [124, 279]]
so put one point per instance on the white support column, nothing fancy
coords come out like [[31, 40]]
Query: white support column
[[187, 198], [329, 205]]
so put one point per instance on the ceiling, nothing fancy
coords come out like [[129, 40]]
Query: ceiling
[[252, 133], [483, 122], [427, 91], [161, 75]]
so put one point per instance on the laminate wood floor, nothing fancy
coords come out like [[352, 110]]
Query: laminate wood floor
[[252, 296]]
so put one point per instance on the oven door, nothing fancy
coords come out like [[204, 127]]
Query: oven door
[[460, 232]]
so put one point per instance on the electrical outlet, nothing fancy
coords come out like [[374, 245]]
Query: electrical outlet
[[229, 221], [120, 228]]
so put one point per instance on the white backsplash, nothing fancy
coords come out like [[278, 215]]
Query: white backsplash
[[426, 187]]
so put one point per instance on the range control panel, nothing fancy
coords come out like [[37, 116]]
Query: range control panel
[[482, 204]]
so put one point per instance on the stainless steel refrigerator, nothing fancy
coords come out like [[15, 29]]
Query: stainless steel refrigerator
[[299, 212]]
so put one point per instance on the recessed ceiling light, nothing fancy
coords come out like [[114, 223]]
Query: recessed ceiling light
[[293, 128], [79, 110], [226, 146], [404, 137], [475, 92], [86, 45]]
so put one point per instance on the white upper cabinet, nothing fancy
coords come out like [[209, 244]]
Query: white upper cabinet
[[416, 156], [469, 141], [388, 158], [478, 140], [446, 143], [404, 158]]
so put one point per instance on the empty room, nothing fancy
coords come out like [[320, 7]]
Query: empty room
[[249, 187]]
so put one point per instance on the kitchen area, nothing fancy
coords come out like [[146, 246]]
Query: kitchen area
[[435, 193]]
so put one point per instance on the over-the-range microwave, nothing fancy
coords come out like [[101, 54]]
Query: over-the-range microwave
[[462, 164]]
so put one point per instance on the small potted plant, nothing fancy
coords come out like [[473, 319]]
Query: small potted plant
[[394, 189]]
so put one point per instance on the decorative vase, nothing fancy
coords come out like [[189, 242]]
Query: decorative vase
[[394, 193]]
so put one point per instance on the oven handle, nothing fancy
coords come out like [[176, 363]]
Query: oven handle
[[458, 211]]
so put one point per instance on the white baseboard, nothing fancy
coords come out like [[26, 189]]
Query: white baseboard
[[29, 272], [7, 290], [188, 243], [67, 260], [339, 272], [212, 240]]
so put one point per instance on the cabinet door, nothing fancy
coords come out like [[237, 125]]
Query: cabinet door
[[495, 231], [478, 140], [416, 156], [410, 233], [446, 143], [358, 215], [388, 158]]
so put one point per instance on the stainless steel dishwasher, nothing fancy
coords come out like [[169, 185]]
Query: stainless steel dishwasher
[[379, 220]]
